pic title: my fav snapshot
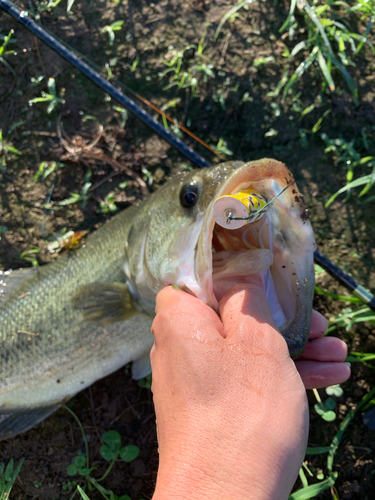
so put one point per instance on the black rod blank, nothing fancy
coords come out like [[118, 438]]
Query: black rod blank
[[350, 283]]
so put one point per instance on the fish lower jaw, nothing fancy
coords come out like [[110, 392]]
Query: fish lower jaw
[[254, 256]]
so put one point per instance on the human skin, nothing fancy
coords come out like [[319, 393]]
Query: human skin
[[231, 406]]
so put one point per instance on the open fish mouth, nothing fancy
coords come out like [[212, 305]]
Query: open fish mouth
[[275, 253]]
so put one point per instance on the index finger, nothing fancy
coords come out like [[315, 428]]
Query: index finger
[[182, 314]]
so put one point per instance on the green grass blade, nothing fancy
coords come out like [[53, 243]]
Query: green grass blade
[[230, 13], [303, 478], [357, 182], [312, 490], [69, 5], [300, 70], [318, 124], [293, 4], [317, 450], [326, 72], [8, 66], [370, 357], [315, 19], [370, 183], [364, 37], [8, 478], [82, 493], [349, 80], [355, 300], [6, 41], [344, 425], [297, 48]]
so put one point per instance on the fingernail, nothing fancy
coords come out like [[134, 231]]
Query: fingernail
[[348, 364]]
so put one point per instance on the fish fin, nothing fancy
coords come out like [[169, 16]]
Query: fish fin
[[104, 302], [141, 367], [10, 280], [15, 420]]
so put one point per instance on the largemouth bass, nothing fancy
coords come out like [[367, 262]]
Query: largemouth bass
[[67, 324]]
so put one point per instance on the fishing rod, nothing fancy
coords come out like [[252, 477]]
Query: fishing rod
[[22, 16]]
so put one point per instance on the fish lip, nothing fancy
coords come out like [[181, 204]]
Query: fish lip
[[296, 329]]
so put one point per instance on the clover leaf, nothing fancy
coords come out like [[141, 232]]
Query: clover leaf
[[129, 453]]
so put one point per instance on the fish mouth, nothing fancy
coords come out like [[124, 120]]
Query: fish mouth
[[275, 253]]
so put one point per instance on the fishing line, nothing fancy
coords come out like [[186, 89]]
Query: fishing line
[[258, 212], [350, 283]]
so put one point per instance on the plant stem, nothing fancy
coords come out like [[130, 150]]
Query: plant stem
[[316, 393], [108, 470], [83, 433]]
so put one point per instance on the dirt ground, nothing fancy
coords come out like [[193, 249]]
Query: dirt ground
[[234, 105]]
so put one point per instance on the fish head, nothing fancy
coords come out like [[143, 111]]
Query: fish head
[[185, 246]]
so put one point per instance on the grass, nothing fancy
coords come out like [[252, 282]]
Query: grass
[[111, 451], [318, 71], [8, 476], [326, 37], [51, 97]]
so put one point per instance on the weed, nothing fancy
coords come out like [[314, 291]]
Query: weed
[[147, 175], [51, 97], [47, 168], [30, 255], [185, 74], [346, 153], [7, 39], [108, 205], [222, 148], [123, 115], [36, 81], [329, 39], [325, 409], [6, 151], [349, 317], [110, 29], [355, 300], [309, 491], [8, 476], [231, 14], [111, 451], [83, 196]]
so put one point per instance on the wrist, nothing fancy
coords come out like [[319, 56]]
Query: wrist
[[224, 471]]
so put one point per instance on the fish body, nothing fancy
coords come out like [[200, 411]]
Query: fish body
[[69, 323]]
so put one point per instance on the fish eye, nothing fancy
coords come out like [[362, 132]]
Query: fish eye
[[189, 194]]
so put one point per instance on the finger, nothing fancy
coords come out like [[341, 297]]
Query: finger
[[180, 314], [318, 326], [315, 374], [325, 349], [152, 353], [245, 302], [247, 318]]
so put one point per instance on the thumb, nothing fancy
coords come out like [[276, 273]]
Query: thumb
[[247, 317]]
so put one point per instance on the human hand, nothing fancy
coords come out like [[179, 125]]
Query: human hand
[[323, 360], [231, 408]]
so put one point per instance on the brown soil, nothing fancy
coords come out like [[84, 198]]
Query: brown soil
[[219, 111]]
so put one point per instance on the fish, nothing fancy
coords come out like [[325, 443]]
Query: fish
[[66, 324]]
